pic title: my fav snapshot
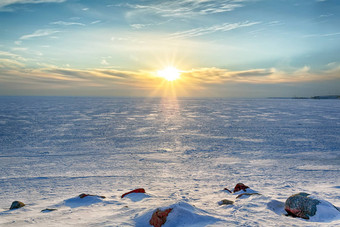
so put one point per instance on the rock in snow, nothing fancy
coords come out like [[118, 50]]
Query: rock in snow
[[138, 190], [239, 187], [48, 210], [247, 195], [158, 218], [80, 201], [308, 207], [225, 202], [83, 195], [16, 205], [181, 215]]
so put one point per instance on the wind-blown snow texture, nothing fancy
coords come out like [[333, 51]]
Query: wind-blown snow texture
[[183, 152]]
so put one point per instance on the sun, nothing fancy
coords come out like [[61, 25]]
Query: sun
[[169, 73]]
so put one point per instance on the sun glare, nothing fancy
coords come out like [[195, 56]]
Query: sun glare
[[169, 73]]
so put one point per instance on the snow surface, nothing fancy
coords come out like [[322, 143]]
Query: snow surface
[[183, 152]]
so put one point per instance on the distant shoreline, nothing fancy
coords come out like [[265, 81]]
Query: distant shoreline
[[313, 97]]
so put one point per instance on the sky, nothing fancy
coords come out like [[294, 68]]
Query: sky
[[222, 48]]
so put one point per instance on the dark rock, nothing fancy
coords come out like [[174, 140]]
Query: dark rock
[[158, 218], [83, 195], [247, 194], [16, 205], [225, 202], [300, 205], [48, 210]]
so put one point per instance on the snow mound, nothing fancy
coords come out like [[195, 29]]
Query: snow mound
[[277, 207], [78, 202], [136, 197], [325, 212], [182, 214]]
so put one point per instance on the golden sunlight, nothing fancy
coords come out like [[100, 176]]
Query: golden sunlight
[[169, 73]]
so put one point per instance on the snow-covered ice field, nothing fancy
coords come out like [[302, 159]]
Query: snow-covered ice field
[[183, 152]]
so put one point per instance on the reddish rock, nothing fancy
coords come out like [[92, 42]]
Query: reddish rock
[[228, 190], [83, 195], [138, 190], [158, 218], [240, 187]]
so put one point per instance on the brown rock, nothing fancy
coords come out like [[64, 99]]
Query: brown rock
[[239, 187], [158, 218]]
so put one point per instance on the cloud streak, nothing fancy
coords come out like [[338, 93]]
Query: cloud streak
[[185, 8], [323, 35], [64, 23], [11, 61], [208, 30], [259, 76], [6, 3], [39, 33]]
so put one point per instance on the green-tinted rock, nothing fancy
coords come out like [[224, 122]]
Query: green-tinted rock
[[16, 205], [300, 205], [225, 202], [48, 210]]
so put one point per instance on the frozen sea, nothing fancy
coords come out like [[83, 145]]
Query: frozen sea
[[183, 152]]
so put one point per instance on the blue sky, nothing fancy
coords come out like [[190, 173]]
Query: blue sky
[[225, 48]]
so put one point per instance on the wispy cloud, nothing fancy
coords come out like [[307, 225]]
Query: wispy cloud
[[9, 55], [39, 33], [206, 76], [326, 15], [10, 64], [96, 22], [6, 3], [208, 30], [139, 26], [9, 60], [106, 77], [214, 75], [19, 48], [183, 8], [323, 35], [127, 39], [64, 23]]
